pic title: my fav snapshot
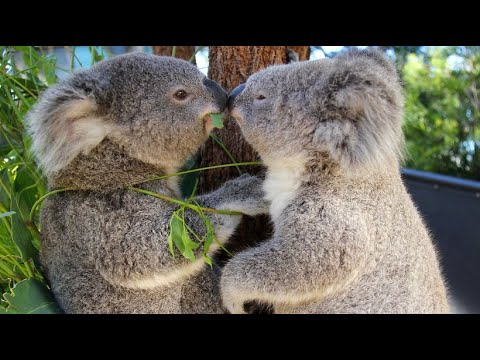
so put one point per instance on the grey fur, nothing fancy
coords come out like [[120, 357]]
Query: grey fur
[[104, 248], [348, 238]]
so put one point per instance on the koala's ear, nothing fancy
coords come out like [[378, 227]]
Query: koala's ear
[[64, 123], [361, 110]]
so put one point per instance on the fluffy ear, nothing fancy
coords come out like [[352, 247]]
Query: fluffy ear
[[361, 111], [63, 124]]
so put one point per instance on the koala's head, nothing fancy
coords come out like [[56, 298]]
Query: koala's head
[[349, 108], [155, 108]]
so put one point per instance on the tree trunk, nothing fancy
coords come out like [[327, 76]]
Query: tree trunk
[[230, 66], [302, 51], [182, 52]]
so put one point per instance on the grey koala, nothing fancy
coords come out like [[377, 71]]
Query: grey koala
[[348, 238], [117, 124]]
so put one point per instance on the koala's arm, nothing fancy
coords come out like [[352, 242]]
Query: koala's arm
[[304, 261], [130, 246], [243, 194]]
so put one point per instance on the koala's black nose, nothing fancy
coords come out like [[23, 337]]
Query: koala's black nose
[[218, 93], [233, 94]]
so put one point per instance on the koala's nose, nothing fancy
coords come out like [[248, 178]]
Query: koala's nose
[[218, 93], [233, 94]]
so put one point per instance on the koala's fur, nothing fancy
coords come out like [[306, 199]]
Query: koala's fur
[[117, 124], [348, 238]]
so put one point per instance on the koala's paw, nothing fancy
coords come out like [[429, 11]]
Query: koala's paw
[[257, 307], [232, 299], [253, 307], [237, 301], [245, 194], [242, 184]]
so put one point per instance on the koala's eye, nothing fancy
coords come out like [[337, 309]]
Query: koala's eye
[[180, 94], [260, 97]]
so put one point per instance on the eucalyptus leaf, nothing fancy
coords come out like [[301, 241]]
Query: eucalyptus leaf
[[30, 296], [216, 120], [21, 236], [176, 229], [7, 311], [8, 213], [207, 259], [189, 244]]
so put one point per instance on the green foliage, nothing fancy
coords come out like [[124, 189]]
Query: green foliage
[[442, 111], [21, 184], [217, 120], [29, 296], [25, 71], [179, 232]]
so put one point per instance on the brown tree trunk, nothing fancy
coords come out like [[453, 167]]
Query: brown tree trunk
[[302, 51], [182, 52], [230, 66]]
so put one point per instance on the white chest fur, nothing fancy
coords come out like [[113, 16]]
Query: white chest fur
[[282, 182]]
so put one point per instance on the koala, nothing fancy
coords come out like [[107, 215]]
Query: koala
[[118, 124], [348, 238]]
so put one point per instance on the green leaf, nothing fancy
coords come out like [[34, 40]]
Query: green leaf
[[21, 236], [170, 236], [207, 259], [30, 296], [8, 311], [209, 237], [188, 244], [25, 196], [8, 213], [176, 228], [179, 236], [216, 120]]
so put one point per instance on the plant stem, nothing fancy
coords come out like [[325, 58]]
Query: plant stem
[[164, 197], [250, 163], [39, 201], [19, 84], [183, 203], [29, 269], [195, 53], [224, 148]]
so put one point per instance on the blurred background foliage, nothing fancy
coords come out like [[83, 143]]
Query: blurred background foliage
[[442, 112], [442, 127]]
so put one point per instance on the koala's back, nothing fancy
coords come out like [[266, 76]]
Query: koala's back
[[72, 220], [402, 272]]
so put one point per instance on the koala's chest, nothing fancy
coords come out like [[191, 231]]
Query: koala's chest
[[280, 187]]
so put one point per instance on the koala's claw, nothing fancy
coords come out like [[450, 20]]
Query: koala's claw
[[257, 307]]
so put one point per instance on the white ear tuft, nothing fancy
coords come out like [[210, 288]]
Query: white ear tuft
[[61, 134]]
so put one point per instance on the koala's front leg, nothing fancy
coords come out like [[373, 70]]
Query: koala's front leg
[[243, 194], [300, 264]]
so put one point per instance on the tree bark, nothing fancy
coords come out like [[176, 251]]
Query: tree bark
[[182, 52], [231, 66]]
